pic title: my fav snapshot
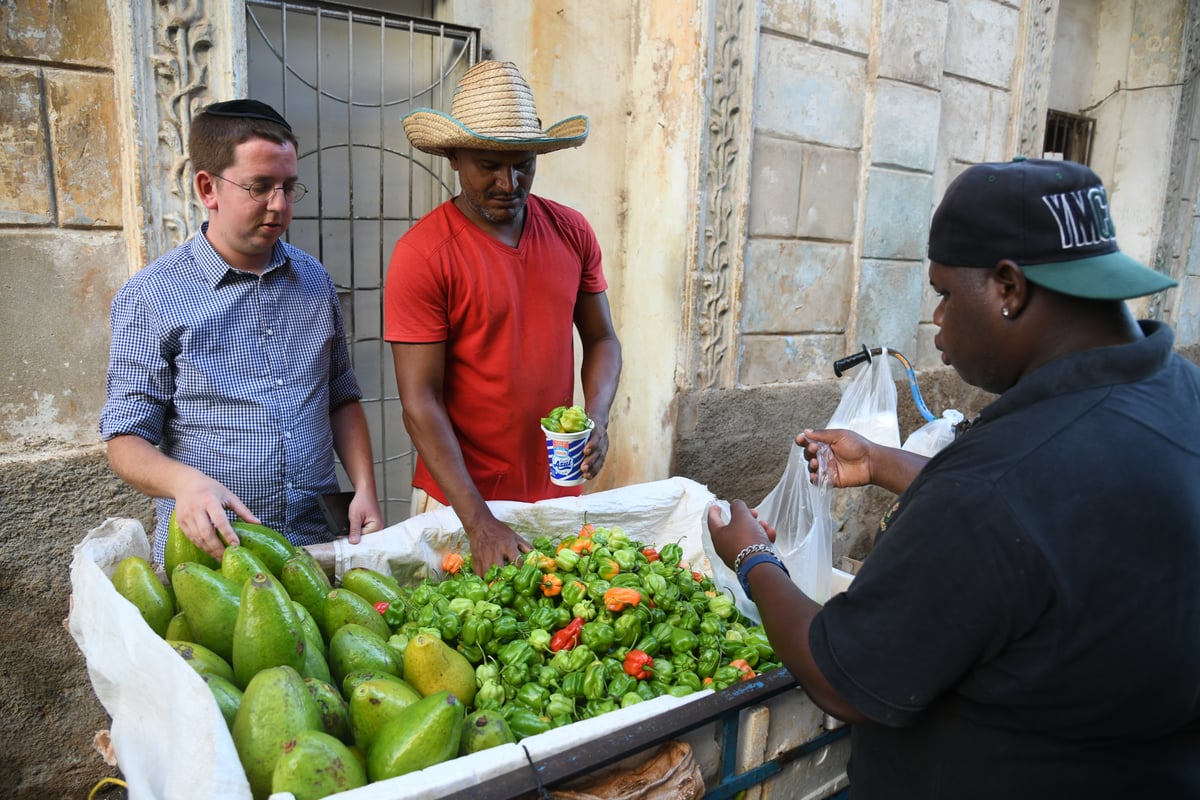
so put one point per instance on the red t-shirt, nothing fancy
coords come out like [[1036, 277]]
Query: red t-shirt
[[507, 318]]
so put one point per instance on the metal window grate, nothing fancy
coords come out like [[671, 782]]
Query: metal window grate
[[343, 77], [1068, 136]]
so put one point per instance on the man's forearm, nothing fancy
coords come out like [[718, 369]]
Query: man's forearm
[[600, 374], [144, 467], [352, 442]]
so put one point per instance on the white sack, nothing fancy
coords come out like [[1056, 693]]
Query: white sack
[[168, 734]]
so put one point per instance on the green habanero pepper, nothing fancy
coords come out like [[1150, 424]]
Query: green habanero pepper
[[630, 698], [626, 559], [460, 606], [513, 677], [490, 695], [559, 706], [566, 559], [450, 626], [627, 580], [595, 708], [573, 592], [585, 610], [708, 662], [648, 644], [561, 661], [721, 605], [598, 637], [476, 631], [664, 670], [689, 679], [475, 590], [596, 589], [670, 554], [683, 641], [523, 606], [473, 652], [654, 583], [606, 568], [533, 696], [505, 628], [562, 616], [711, 624], [620, 684], [580, 658], [646, 690], [542, 617], [547, 676], [501, 592], [525, 722], [572, 684], [539, 639], [517, 652], [627, 629], [488, 609], [726, 676], [594, 686], [528, 579], [618, 539]]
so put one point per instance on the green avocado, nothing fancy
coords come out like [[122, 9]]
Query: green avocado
[[211, 602], [425, 733], [276, 707], [268, 632]]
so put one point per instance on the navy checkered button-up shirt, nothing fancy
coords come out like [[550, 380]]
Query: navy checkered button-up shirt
[[235, 374]]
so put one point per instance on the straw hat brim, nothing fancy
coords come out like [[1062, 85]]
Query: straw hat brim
[[436, 132]]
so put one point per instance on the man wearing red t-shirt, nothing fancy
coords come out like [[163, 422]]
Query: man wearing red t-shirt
[[482, 297]]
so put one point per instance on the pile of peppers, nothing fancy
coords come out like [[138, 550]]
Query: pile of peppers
[[584, 625]]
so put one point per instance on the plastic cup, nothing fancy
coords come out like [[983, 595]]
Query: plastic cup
[[564, 451]]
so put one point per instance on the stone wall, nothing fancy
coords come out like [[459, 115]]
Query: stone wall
[[48, 502]]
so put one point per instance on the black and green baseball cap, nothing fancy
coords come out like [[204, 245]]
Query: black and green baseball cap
[[1050, 217]]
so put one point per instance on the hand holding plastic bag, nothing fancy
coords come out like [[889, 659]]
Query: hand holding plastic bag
[[798, 509]]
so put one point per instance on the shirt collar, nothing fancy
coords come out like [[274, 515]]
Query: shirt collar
[[1090, 369], [215, 269]]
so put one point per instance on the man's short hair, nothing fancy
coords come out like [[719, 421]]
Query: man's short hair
[[221, 127]]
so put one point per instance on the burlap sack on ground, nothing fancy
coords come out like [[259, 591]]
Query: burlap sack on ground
[[670, 773]]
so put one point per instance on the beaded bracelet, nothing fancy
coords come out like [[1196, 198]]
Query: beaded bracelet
[[743, 573], [754, 548]]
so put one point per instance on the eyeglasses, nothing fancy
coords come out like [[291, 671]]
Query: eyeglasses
[[262, 191]]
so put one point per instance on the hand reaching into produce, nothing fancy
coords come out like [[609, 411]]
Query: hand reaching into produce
[[494, 543], [200, 506]]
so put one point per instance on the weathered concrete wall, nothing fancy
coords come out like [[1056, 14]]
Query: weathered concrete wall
[[48, 501]]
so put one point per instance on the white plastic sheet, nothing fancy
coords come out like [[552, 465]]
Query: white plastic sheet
[[169, 736]]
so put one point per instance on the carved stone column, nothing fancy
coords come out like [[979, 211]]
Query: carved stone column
[[1179, 219], [173, 57], [1031, 84], [714, 287]]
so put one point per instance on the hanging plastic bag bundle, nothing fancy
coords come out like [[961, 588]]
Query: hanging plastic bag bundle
[[798, 509]]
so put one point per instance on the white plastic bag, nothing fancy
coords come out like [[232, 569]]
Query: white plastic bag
[[935, 434], [798, 509]]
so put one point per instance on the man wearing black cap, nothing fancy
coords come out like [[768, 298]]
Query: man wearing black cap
[[1028, 623], [229, 382]]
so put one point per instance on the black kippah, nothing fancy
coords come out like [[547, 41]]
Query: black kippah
[[251, 109]]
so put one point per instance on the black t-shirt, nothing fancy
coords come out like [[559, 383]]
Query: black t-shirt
[[1028, 624]]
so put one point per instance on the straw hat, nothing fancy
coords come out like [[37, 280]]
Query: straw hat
[[492, 110]]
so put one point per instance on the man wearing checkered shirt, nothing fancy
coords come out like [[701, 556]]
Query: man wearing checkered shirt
[[229, 384]]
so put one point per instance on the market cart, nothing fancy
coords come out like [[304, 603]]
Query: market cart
[[763, 735]]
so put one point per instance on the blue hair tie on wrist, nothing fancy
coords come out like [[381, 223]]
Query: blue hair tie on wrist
[[743, 573]]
